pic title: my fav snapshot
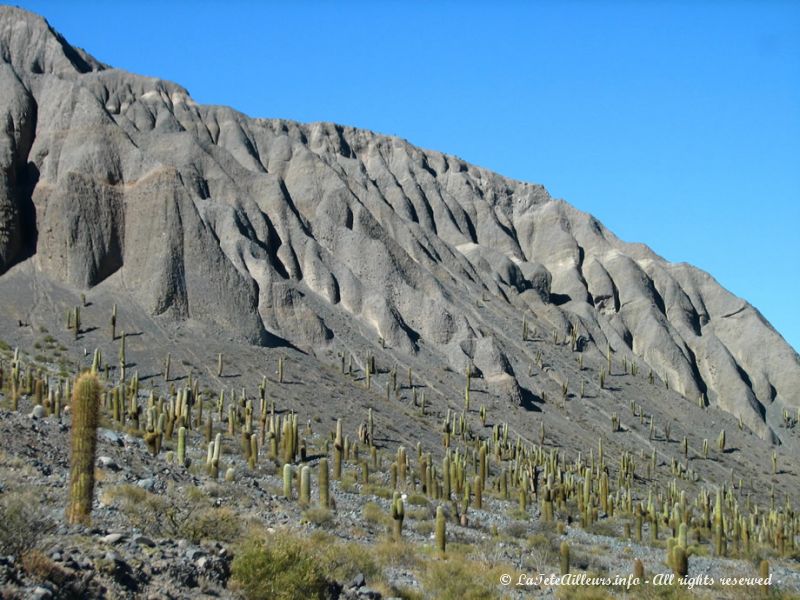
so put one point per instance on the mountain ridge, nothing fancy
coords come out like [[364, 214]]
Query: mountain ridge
[[259, 227]]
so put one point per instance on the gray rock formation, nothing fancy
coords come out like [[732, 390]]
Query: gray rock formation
[[321, 234]]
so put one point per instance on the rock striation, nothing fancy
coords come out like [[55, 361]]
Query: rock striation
[[317, 234]]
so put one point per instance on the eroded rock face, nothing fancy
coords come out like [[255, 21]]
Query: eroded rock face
[[316, 232]]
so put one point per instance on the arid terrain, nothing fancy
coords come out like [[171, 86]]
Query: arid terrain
[[487, 349]]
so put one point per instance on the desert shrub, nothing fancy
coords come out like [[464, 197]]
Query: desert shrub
[[192, 516], [343, 560], [516, 529], [279, 567], [375, 514], [23, 523], [321, 517], [460, 580], [42, 569], [424, 527], [418, 500], [376, 490], [219, 524]]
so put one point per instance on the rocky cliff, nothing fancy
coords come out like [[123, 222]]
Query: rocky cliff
[[327, 236]]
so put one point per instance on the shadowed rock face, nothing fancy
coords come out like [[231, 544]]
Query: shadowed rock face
[[321, 234]]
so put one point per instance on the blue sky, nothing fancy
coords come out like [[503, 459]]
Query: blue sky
[[677, 124]]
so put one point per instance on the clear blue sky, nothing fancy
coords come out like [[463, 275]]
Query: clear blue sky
[[677, 124]]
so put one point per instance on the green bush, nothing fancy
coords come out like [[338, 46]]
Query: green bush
[[191, 516], [460, 580], [279, 567]]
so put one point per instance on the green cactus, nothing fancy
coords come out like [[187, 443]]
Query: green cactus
[[398, 514], [719, 526], [680, 561], [219, 365], [441, 531], [85, 407], [338, 449], [564, 552], [721, 441], [638, 570], [287, 481], [763, 573], [305, 485], [324, 485], [182, 446]]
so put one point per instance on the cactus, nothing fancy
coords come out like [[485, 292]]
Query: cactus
[[721, 441], [638, 570], [564, 552], [287, 481], [324, 485], [679, 562], [182, 446], [719, 526], [113, 322], [76, 321], [763, 573], [219, 365], [305, 485], [338, 448], [280, 369], [774, 462], [398, 514], [166, 368], [217, 452], [252, 460], [85, 407], [441, 531], [683, 536]]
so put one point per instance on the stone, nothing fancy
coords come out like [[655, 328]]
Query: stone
[[112, 538]]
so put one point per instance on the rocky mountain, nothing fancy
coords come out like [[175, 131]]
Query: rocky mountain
[[331, 238]]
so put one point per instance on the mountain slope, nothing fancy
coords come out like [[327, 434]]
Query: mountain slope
[[331, 238]]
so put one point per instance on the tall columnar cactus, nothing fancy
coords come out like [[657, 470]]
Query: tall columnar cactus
[[219, 365], [324, 485], [338, 449], [763, 573], [441, 530], [287, 481], [564, 552], [85, 408], [182, 446], [398, 514], [305, 485], [721, 441], [680, 561], [719, 531], [76, 321], [638, 570]]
